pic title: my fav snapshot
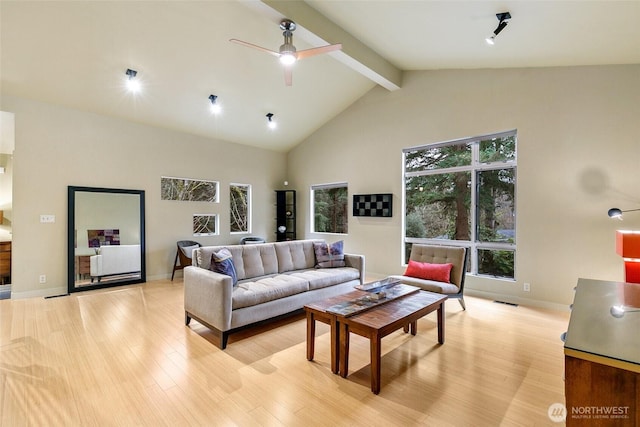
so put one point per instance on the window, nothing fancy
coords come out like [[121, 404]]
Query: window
[[463, 192], [205, 225], [330, 204], [240, 208]]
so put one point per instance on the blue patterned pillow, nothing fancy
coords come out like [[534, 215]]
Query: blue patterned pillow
[[222, 262], [329, 256]]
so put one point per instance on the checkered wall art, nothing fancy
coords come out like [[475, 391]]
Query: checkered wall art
[[379, 205]]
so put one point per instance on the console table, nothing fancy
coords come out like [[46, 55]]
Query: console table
[[602, 356]]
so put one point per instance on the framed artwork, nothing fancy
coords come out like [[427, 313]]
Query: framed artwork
[[99, 238], [190, 190], [378, 205], [205, 224]]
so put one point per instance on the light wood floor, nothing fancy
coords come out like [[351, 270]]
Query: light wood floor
[[124, 357]]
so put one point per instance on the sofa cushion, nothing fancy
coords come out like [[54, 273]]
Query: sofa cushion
[[329, 255], [429, 271], [429, 285], [295, 255], [325, 277], [222, 262], [250, 293]]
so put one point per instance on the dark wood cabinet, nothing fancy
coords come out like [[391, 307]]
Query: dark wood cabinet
[[5, 263], [602, 362], [285, 215]]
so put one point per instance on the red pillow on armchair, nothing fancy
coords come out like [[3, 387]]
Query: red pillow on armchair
[[428, 271]]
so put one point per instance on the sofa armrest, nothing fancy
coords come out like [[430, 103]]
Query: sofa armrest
[[208, 296], [357, 262], [95, 265]]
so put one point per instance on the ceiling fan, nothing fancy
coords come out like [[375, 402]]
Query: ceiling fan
[[288, 54]]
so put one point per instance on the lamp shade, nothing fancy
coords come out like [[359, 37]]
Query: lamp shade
[[628, 243]]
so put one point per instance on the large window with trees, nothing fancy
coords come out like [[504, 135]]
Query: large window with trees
[[329, 207], [240, 208], [462, 193]]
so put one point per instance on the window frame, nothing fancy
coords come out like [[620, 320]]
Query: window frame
[[249, 208], [475, 166], [312, 211]]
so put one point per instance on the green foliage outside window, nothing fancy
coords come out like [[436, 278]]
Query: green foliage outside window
[[451, 187], [330, 209], [239, 208]]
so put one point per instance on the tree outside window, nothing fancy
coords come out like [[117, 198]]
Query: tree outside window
[[463, 193], [330, 208], [239, 208]]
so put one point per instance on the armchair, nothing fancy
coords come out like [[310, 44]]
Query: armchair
[[457, 256]]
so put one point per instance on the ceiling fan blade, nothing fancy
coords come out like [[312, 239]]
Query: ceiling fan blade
[[288, 76], [301, 54], [264, 49]]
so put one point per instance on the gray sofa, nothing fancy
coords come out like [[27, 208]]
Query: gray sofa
[[273, 279]]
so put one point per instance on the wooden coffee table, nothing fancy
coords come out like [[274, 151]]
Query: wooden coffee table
[[374, 323], [379, 322]]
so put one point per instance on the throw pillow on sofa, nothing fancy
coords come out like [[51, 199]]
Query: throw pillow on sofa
[[222, 262], [329, 255], [428, 271]]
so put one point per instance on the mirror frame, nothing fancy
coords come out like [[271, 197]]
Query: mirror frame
[[71, 227]]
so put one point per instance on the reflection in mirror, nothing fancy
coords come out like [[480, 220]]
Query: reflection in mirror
[[105, 238]]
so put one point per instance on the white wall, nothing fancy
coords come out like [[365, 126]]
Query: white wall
[[578, 155], [56, 147]]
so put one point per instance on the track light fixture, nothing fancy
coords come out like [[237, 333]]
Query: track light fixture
[[215, 106], [502, 22], [617, 213], [270, 122], [133, 84]]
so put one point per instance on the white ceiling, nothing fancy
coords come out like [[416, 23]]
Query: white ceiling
[[75, 53]]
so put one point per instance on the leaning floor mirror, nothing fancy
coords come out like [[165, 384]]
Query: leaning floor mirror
[[106, 244]]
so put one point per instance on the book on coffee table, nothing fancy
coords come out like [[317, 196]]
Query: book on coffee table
[[371, 299], [379, 285]]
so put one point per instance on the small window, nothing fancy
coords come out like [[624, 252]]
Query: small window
[[240, 208], [205, 225], [330, 207]]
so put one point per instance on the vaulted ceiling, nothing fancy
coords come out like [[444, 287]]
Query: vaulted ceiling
[[75, 53]]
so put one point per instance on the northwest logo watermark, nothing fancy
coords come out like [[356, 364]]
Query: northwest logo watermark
[[557, 412]]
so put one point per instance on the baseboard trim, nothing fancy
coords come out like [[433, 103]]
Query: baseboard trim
[[516, 300], [50, 292]]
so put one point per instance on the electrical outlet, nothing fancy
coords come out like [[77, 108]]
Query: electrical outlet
[[527, 287], [47, 218], [43, 278]]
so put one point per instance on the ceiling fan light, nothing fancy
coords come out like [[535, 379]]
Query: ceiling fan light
[[287, 58], [491, 40]]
